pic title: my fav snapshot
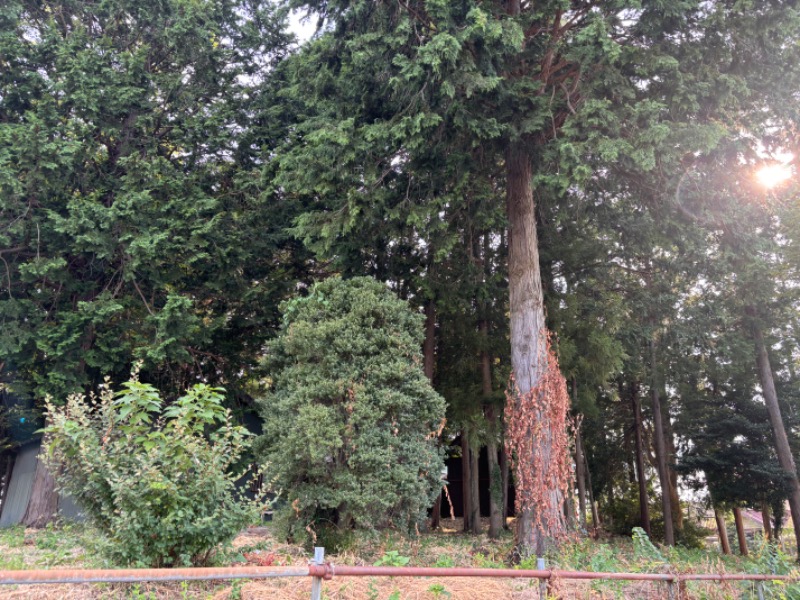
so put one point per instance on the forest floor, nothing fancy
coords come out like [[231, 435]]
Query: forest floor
[[71, 546]]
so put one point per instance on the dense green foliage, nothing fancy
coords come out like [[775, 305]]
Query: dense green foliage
[[125, 204], [350, 421], [172, 170], [158, 483]]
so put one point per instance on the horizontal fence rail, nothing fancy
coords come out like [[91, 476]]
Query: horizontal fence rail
[[319, 571]]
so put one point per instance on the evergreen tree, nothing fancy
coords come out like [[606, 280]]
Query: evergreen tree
[[123, 219], [351, 422]]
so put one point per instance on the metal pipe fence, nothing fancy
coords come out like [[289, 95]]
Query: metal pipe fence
[[320, 571]]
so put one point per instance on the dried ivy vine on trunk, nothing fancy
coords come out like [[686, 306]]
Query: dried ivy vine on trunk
[[537, 441]]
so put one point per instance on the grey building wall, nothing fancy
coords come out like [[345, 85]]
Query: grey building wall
[[19, 491], [21, 484]]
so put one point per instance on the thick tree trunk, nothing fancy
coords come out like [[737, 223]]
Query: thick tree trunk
[[43, 503], [737, 517], [661, 450], [580, 475], [766, 518], [466, 482], [776, 420], [644, 509], [722, 531], [528, 344]]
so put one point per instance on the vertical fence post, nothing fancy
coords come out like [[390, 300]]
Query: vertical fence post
[[760, 590], [542, 583], [316, 582], [671, 589]]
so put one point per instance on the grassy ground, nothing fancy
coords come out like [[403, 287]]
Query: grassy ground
[[73, 546]]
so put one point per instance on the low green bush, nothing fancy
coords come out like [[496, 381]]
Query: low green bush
[[157, 482]]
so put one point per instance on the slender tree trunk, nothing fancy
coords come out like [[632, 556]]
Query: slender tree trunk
[[504, 474], [429, 361], [661, 450], [429, 345], [580, 475], [475, 491], [737, 517], [722, 531], [43, 503], [495, 477], [677, 512], [9, 471], [776, 420], [528, 345], [592, 503], [628, 450], [490, 413], [765, 517], [466, 482], [495, 483], [644, 509]]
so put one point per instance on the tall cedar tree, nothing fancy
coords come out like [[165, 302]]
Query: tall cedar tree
[[504, 84]]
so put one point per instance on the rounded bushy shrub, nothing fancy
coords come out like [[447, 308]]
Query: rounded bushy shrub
[[157, 483], [350, 420]]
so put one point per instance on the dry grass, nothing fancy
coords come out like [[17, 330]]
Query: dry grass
[[65, 548]]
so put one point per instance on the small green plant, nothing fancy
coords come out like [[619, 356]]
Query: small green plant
[[484, 561], [13, 537], [236, 590], [439, 591], [372, 591], [444, 562], [392, 559], [643, 548], [136, 593], [157, 483], [395, 595]]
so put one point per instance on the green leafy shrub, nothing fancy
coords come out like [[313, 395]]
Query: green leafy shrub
[[156, 482], [350, 422]]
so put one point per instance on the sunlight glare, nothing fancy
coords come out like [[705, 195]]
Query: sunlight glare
[[773, 175]]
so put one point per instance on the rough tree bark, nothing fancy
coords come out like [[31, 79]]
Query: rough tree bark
[[737, 517], [644, 509], [535, 532], [722, 531], [776, 420]]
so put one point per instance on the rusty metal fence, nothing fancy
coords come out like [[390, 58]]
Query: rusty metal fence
[[320, 571]]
